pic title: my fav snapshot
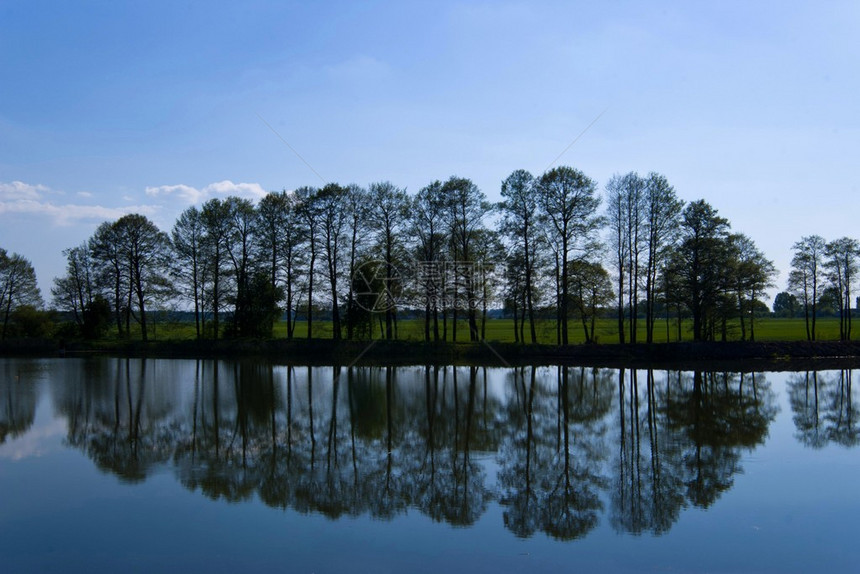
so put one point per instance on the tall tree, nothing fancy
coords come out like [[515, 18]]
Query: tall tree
[[144, 249], [428, 212], [111, 271], [662, 218], [356, 221], [189, 264], [805, 277], [333, 202], [216, 219], [308, 208], [388, 213], [18, 287], [467, 207], [520, 224], [240, 241], [569, 202], [627, 222]]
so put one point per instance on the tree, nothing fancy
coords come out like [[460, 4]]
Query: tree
[[144, 249], [520, 225], [700, 260], [466, 207], [270, 230], [569, 203], [428, 211], [356, 222], [785, 304], [804, 280], [591, 289], [752, 273], [189, 263], [241, 219], [74, 291], [18, 287], [388, 214], [332, 202], [842, 267], [627, 225], [309, 210], [662, 218], [216, 217], [110, 269]]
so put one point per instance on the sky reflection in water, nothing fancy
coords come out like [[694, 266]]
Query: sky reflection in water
[[193, 465]]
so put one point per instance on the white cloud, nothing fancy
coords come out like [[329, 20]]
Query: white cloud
[[18, 190], [189, 194], [22, 198], [86, 194]]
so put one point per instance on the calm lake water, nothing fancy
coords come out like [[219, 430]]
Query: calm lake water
[[171, 465]]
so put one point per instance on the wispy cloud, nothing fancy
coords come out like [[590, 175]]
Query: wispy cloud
[[189, 194], [359, 68], [18, 197]]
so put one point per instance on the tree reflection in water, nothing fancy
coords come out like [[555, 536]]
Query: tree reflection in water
[[347, 441], [18, 395], [824, 408]]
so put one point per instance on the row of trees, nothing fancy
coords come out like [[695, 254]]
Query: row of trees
[[822, 275], [441, 251]]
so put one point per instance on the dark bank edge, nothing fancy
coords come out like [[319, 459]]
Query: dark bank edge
[[742, 356]]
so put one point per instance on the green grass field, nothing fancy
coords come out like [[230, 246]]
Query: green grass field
[[768, 329]]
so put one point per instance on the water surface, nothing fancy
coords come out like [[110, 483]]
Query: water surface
[[116, 464]]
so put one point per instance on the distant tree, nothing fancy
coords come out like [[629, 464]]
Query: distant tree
[[591, 290], [785, 304], [842, 267], [569, 203], [18, 287], [805, 279]]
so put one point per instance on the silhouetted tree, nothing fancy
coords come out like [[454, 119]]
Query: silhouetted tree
[[805, 278], [569, 203], [842, 267]]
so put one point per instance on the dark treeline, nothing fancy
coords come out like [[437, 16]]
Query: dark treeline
[[381, 440], [362, 258]]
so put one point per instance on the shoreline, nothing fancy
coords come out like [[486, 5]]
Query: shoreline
[[743, 356]]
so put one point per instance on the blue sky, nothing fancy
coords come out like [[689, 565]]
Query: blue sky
[[109, 108]]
